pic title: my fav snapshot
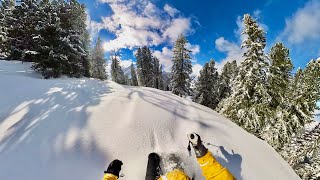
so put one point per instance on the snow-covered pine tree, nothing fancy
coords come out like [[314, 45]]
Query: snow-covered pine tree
[[228, 74], [73, 22], [5, 13], [127, 80], [3, 31], [182, 68], [206, 87], [117, 74], [303, 153], [98, 62], [279, 74], [161, 79], [60, 40], [156, 73], [145, 67], [311, 75], [23, 23], [167, 81], [280, 129], [138, 56], [304, 93], [248, 104], [93, 62], [50, 58], [134, 79]]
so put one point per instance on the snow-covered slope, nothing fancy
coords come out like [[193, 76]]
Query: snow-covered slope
[[64, 129]]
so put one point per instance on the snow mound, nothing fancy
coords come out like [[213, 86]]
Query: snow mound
[[62, 129]]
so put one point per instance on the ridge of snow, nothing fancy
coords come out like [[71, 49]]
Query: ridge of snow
[[73, 128]]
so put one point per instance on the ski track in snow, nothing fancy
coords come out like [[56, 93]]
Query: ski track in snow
[[73, 128]]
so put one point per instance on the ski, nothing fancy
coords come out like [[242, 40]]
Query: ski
[[153, 167]]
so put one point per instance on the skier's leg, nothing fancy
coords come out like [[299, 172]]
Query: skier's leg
[[153, 171]]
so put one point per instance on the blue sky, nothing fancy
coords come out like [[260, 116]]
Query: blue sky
[[213, 28]]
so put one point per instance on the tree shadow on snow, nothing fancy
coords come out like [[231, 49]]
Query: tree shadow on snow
[[202, 117], [231, 161], [43, 128], [178, 100], [175, 106]]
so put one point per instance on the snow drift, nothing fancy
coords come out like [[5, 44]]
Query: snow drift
[[62, 129]]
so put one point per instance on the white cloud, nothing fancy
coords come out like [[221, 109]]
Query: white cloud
[[150, 10], [139, 23], [196, 69], [112, 1], [232, 50], [92, 26], [165, 58], [131, 37], [304, 24], [178, 26], [171, 10], [257, 13], [195, 49], [126, 63], [239, 30]]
